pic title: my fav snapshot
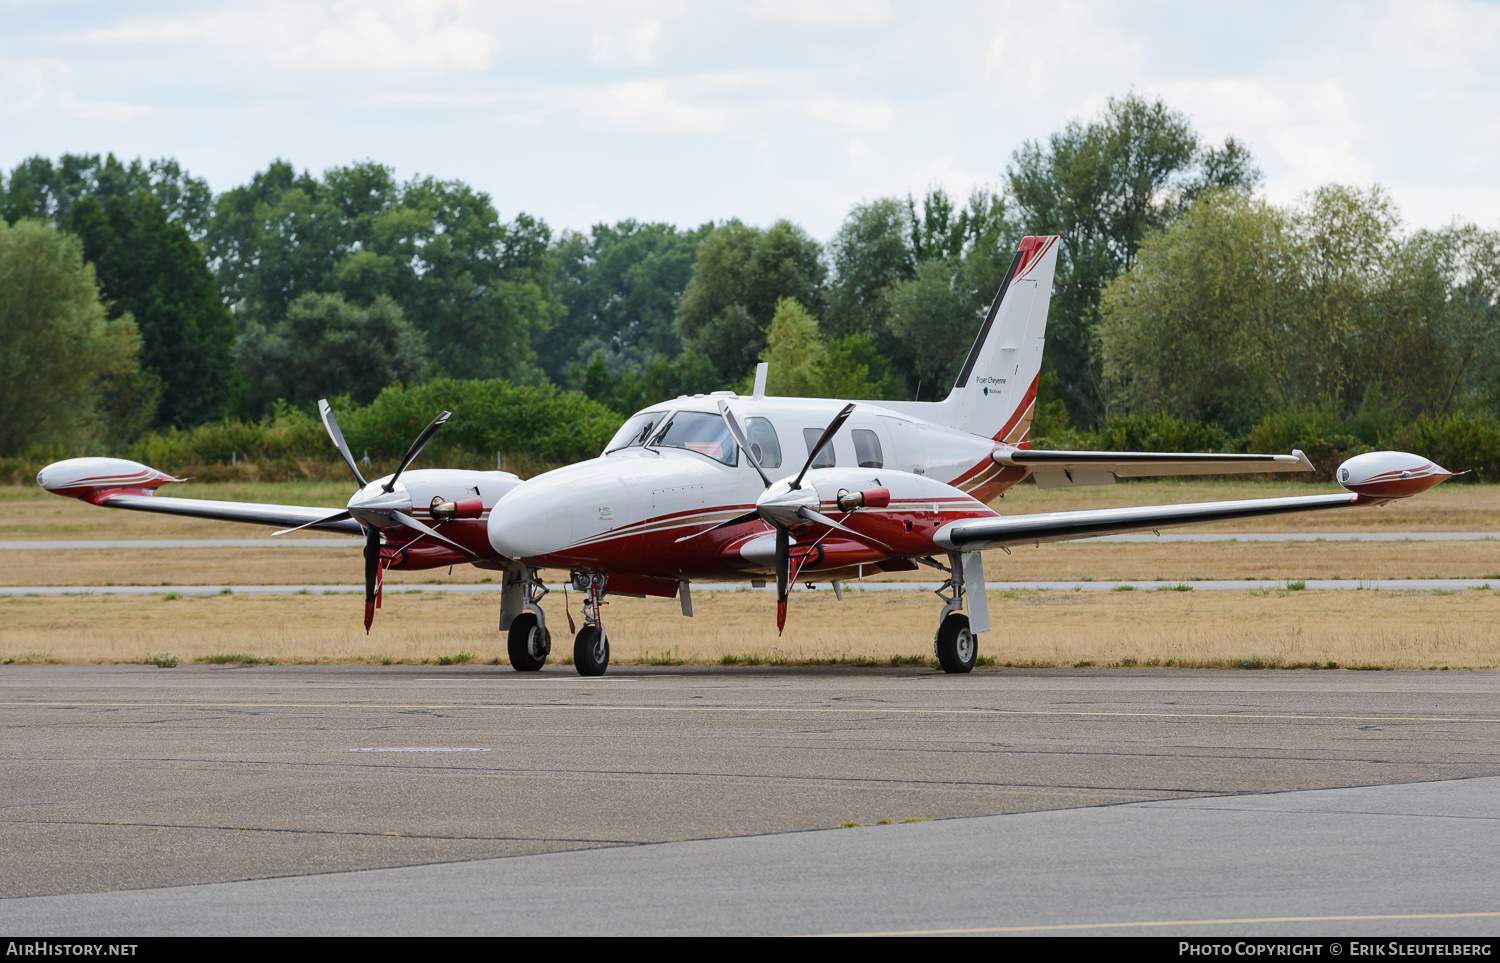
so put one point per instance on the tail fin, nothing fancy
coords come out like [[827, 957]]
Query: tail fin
[[996, 388]]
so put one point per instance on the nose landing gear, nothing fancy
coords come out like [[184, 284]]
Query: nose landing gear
[[591, 645]]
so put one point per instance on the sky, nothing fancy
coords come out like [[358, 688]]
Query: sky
[[582, 112]]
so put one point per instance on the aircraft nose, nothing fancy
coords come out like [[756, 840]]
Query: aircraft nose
[[532, 520]]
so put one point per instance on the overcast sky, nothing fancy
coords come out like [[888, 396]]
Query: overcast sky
[[684, 112]]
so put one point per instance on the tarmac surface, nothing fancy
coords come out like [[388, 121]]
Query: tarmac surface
[[477, 799]]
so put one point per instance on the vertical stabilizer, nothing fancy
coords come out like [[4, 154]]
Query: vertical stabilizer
[[996, 389]]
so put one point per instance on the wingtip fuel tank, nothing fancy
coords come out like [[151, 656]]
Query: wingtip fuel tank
[[1390, 474]]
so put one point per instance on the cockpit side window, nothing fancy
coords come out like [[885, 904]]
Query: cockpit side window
[[867, 448], [636, 431], [701, 432], [825, 457], [764, 444]]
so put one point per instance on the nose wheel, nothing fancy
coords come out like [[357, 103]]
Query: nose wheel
[[591, 645], [591, 651]]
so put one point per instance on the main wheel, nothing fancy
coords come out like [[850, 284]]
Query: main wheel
[[528, 643], [591, 651], [955, 644]]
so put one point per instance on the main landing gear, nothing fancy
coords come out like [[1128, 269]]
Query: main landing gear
[[591, 645], [956, 643], [528, 642]]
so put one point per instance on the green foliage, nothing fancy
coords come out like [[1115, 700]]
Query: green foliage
[[477, 288], [803, 365], [488, 416], [326, 347], [148, 267], [620, 286], [915, 284], [61, 355], [1241, 309], [40, 189], [1104, 186], [738, 277], [1161, 432], [1457, 442]]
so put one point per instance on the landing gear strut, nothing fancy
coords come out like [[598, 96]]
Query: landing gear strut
[[591, 646], [956, 644], [528, 641]]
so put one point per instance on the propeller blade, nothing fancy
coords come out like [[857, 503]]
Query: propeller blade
[[332, 425], [749, 516], [739, 439], [417, 446], [818, 518], [828, 433], [783, 574], [322, 521], [372, 572], [410, 522]]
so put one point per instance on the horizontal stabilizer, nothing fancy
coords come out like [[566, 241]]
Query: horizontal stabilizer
[[1069, 469]]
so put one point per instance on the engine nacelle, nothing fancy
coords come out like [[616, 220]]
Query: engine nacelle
[[87, 478], [1390, 474]]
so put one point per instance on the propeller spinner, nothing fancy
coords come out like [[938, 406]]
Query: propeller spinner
[[784, 505], [379, 507]]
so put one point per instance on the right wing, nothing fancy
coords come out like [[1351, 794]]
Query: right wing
[[1007, 530], [280, 516], [118, 483]]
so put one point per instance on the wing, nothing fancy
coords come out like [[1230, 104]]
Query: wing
[[117, 483], [279, 516], [1068, 469], [972, 536]]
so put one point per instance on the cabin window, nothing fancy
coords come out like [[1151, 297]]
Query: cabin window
[[867, 449], [825, 457], [701, 432], [764, 444]]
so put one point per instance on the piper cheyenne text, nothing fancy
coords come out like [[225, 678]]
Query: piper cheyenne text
[[724, 487]]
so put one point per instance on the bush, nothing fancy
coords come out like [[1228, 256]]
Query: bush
[[1457, 442]]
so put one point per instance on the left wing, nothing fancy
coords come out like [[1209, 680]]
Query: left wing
[[1007, 530]]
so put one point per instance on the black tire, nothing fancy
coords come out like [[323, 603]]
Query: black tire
[[591, 651], [957, 648], [528, 643]]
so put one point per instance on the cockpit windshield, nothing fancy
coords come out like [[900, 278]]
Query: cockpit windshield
[[636, 431], [701, 432]]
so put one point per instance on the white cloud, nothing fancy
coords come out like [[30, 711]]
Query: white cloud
[[42, 87], [642, 105], [632, 44], [844, 13], [381, 35]]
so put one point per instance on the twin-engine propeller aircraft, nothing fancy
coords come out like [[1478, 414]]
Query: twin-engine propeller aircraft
[[724, 487]]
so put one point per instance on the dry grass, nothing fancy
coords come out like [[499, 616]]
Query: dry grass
[[1350, 629]]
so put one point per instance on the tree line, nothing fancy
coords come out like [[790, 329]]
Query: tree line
[[1186, 306]]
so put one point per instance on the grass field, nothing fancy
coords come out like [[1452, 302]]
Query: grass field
[[1361, 629], [1386, 629]]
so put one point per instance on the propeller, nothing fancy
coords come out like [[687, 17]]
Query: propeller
[[786, 566], [376, 511]]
